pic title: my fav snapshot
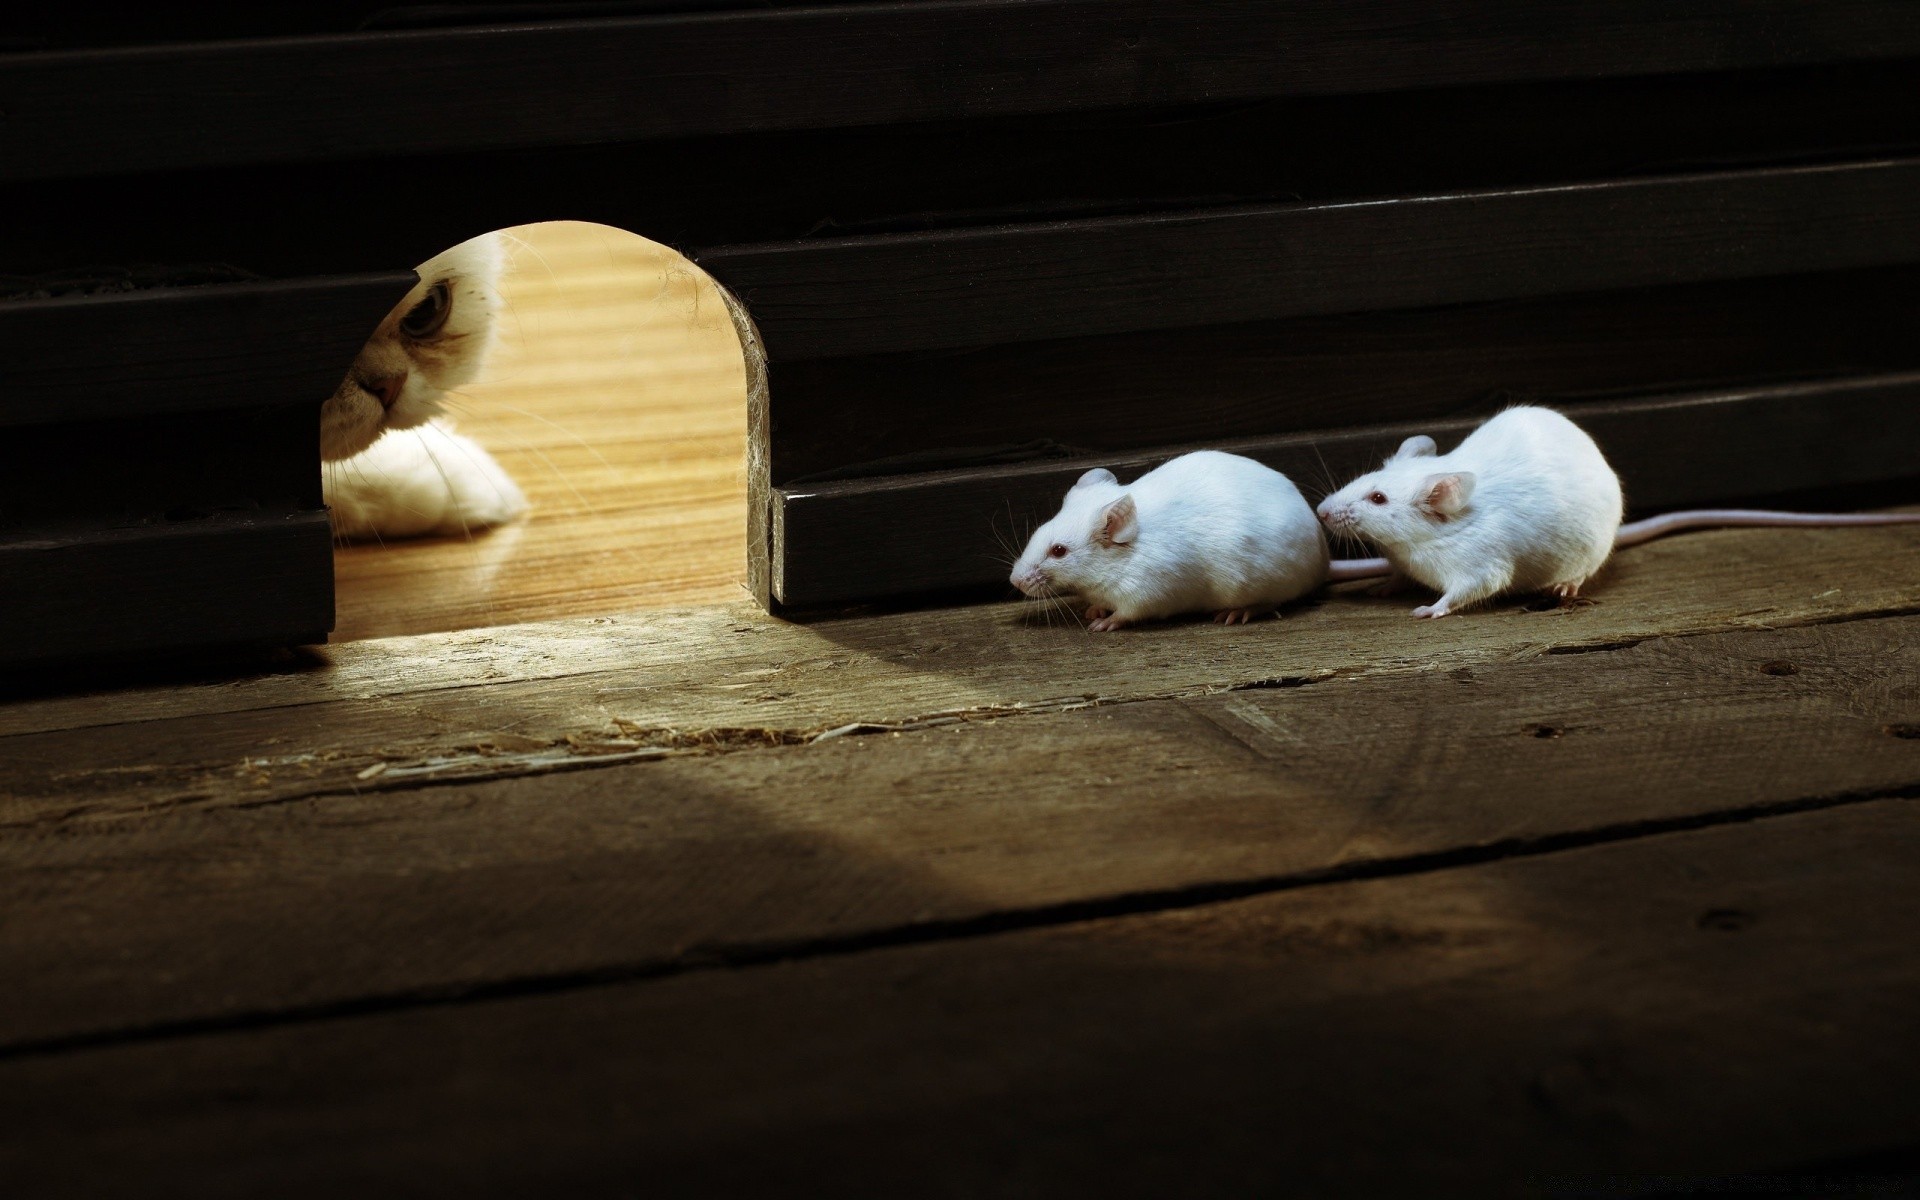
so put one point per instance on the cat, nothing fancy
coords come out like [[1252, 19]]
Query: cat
[[393, 466]]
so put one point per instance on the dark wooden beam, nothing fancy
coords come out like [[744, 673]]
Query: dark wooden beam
[[831, 297], [1115, 394], [725, 190], [187, 349], [227, 579], [898, 535], [170, 107]]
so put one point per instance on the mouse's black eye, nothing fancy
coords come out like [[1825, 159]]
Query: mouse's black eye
[[425, 318], [1377, 498], [1057, 551]]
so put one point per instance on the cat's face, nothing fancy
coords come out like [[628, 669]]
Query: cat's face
[[432, 343]]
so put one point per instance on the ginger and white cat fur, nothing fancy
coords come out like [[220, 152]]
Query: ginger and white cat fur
[[393, 466]]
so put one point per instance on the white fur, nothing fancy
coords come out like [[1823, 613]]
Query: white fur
[[417, 482], [1210, 532], [388, 472], [1540, 510], [352, 418]]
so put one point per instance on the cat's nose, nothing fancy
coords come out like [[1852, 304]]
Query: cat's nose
[[388, 389]]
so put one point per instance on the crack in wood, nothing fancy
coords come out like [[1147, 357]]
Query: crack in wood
[[744, 955]]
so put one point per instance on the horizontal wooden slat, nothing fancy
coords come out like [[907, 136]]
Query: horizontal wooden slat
[[93, 112], [182, 350], [1733, 1000], [89, 23], [897, 535], [726, 190], [191, 917], [220, 580], [402, 713], [927, 410], [887, 293]]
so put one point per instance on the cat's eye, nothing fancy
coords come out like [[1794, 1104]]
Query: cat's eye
[[1377, 498], [425, 318], [1057, 550]]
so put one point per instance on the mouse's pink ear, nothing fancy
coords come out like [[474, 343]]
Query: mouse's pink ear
[[1445, 495], [1119, 521], [1097, 475], [1417, 446]]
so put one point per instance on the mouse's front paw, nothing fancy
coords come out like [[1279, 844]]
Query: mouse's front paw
[[1095, 612], [1432, 610], [1108, 623]]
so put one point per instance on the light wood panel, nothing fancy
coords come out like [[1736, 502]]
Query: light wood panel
[[617, 399]]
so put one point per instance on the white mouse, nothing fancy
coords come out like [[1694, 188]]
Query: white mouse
[[1206, 532], [1526, 503]]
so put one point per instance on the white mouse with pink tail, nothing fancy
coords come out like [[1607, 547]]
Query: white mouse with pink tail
[[1527, 503], [1206, 532]]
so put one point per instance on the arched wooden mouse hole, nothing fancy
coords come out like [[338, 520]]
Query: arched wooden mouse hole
[[616, 396]]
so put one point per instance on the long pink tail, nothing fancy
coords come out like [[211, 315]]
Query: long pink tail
[[1343, 569], [1635, 532]]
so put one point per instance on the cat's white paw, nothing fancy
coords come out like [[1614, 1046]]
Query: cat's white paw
[[420, 482]]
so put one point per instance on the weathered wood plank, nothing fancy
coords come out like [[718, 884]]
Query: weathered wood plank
[[520, 699], [929, 410], [1730, 1000], [223, 913], [860, 539], [92, 112], [828, 297]]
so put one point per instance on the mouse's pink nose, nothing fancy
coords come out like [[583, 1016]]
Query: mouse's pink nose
[[387, 390]]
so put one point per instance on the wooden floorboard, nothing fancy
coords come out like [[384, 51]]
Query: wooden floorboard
[[1295, 908], [240, 913], [406, 711], [1736, 999], [617, 400]]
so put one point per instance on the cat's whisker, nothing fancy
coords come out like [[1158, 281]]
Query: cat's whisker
[[523, 246], [586, 508], [440, 468], [583, 443], [479, 467]]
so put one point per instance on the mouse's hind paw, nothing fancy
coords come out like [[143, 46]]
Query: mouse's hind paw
[[1240, 616]]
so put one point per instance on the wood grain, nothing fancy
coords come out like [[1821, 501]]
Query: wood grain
[[111, 111], [842, 418], [648, 867], [1736, 999], [827, 297], [617, 402], [397, 713]]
